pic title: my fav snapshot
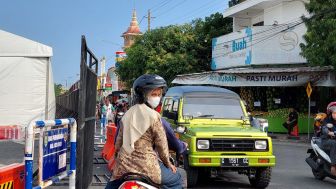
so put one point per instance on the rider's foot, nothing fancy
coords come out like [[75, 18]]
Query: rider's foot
[[333, 170]]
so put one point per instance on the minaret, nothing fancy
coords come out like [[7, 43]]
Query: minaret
[[132, 31]]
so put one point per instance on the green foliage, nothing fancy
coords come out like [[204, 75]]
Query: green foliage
[[283, 113], [173, 50], [58, 89], [320, 47]]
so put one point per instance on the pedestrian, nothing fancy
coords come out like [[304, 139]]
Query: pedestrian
[[292, 120], [109, 110], [103, 120]]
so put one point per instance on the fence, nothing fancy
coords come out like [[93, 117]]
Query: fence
[[80, 102], [53, 136]]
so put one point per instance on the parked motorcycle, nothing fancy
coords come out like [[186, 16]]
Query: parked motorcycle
[[319, 160]]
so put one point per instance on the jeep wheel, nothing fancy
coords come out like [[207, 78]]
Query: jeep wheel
[[262, 178], [192, 173]]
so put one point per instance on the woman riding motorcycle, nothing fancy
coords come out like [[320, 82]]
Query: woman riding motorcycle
[[141, 146], [328, 135]]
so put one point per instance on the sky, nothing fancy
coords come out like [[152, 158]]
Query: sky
[[60, 24]]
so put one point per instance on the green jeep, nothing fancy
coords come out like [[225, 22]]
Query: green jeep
[[214, 123]]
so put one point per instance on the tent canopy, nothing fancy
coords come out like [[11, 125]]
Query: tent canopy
[[276, 77], [27, 87], [12, 45]]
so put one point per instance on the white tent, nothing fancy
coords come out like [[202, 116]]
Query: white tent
[[26, 81]]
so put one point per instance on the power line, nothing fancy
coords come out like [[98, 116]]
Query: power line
[[277, 27], [283, 30], [171, 8], [192, 12], [164, 4], [141, 19], [159, 4]]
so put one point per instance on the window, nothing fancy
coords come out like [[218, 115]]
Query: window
[[213, 107], [259, 24], [175, 105], [167, 106], [170, 108]]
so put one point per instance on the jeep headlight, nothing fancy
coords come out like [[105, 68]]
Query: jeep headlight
[[203, 144], [260, 144]]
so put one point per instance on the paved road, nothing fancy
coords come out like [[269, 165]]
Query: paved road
[[291, 172]]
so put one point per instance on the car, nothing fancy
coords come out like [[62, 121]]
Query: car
[[214, 123]]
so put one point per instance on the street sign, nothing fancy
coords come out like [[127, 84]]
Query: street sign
[[309, 90], [54, 152]]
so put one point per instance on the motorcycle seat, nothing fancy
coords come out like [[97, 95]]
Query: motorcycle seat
[[139, 177]]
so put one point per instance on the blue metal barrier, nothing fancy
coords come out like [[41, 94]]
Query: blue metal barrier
[[53, 136]]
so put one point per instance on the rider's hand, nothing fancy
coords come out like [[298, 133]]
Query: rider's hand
[[173, 168], [332, 134], [185, 144]]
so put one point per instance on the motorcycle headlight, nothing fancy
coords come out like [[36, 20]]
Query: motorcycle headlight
[[203, 144], [260, 144]]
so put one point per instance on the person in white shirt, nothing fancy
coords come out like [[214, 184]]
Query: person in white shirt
[[109, 111]]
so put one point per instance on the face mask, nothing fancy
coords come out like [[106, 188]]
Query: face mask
[[154, 101]]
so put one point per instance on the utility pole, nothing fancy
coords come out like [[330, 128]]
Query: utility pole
[[149, 19], [102, 72]]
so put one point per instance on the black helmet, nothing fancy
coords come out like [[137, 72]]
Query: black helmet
[[146, 83]]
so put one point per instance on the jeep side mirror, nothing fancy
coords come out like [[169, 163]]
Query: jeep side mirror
[[245, 119]]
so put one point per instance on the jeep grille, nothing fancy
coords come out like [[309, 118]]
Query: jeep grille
[[232, 145]]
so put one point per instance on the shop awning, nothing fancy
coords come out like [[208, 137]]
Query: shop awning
[[249, 77]]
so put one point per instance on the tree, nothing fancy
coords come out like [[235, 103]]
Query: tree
[[58, 89], [320, 47], [173, 50]]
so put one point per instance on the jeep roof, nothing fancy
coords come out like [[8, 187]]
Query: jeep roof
[[181, 91]]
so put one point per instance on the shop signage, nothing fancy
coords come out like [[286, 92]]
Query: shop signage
[[262, 45], [326, 79], [54, 152]]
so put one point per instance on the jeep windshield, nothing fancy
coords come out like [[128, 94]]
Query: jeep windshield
[[212, 107]]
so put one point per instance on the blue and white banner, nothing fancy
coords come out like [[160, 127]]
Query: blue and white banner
[[262, 45], [227, 78], [54, 152]]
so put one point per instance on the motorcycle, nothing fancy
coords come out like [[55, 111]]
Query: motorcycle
[[137, 181], [319, 160]]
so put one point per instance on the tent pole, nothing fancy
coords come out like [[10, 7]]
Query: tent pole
[[47, 92]]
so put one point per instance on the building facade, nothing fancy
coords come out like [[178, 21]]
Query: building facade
[[129, 37], [265, 32], [132, 31]]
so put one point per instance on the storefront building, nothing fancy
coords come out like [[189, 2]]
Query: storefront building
[[261, 60]]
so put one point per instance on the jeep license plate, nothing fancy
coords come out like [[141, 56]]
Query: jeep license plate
[[234, 162]]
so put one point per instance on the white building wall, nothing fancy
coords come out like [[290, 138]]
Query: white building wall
[[293, 11], [258, 18], [273, 14], [241, 23], [283, 13]]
